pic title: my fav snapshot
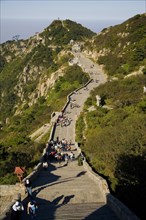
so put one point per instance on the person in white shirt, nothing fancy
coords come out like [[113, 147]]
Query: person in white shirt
[[17, 209], [31, 208]]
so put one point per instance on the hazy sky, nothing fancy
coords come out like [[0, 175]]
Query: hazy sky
[[12, 10], [88, 9]]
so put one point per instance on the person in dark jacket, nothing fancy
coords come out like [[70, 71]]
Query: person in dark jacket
[[28, 186]]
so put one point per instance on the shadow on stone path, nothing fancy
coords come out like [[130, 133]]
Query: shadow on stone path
[[67, 192]]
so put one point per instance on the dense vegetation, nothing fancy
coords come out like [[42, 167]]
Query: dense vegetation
[[24, 66], [123, 45], [114, 140], [61, 32], [112, 137], [14, 136]]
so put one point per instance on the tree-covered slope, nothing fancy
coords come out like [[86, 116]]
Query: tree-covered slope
[[35, 79], [122, 48], [113, 137], [27, 65], [61, 32]]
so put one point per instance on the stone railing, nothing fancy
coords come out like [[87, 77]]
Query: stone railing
[[18, 190], [102, 184], [14, 192], [120, 209], [11, 189], [72, 93], [117, 206]]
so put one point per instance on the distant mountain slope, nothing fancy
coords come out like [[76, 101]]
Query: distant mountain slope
[[30, 67], [112, 131], [112, 135], [121, 48], [35, 79], [61, 32]]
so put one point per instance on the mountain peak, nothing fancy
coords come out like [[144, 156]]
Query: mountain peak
[[62, 31]]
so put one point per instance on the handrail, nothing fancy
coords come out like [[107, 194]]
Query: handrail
[[118, 207], [122, 211]]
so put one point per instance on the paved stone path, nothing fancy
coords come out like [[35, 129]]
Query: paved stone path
[[67, 192], [38, 134], [98, 78]]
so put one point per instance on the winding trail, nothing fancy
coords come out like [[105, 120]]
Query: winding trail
[[67, 192], [81, 96]]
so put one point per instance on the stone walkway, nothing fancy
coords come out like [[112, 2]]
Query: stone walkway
[[67, 192], [98, 78]]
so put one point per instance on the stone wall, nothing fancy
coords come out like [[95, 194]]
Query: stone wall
[[8, 195], [117, 206], [120, 209], [7, 190]]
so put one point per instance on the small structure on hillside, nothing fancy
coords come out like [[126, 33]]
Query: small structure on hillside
[[19, 172], [144, 89]]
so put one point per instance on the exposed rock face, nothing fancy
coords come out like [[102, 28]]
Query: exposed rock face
[[44, 85], [31, 74], [34, 78]]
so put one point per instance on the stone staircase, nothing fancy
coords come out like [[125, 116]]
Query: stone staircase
[[77, 212], [71, 180], [67, 193]]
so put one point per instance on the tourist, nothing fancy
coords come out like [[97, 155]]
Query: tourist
[[17, 209], [31, 208], [28, 187], [71, 155], [45, 165], [66, 158]]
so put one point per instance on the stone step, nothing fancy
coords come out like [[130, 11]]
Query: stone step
[[65, 211], [74, 195], [76, 187]]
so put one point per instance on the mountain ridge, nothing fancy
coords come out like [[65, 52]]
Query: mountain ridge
[[123, 45], [38, 73]]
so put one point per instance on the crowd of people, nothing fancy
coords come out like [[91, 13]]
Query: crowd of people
[[60, 151], [63, 120], [57, 151]]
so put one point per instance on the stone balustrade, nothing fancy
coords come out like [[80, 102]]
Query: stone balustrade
[[118, 207], [14, 192]]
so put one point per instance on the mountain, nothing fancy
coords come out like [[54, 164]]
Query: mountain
[[26, 66], [121, 49], [61, 32], [35, 79], [112, 134]]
